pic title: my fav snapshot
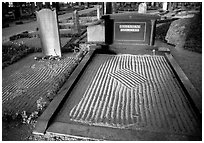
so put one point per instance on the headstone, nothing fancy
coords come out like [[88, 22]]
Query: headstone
[[165, 4], [49, 32], [152, 3], [76, 22], [142, 8], [96, 33]]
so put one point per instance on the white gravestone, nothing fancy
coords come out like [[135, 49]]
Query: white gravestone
[[142, 8], [49, 32], [165, 6], [96, 33]]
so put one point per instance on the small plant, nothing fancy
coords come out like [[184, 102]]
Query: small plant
[[41, 104]]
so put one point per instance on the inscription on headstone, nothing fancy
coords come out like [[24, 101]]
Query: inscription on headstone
[[130, 31]]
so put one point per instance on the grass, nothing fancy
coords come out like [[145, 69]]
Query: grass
[[194, 37], [13, 52]]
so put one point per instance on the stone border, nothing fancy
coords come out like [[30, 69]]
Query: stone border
[[191, 93], [45, 119]]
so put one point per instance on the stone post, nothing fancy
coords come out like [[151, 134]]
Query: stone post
[[98, 12], [49, 32], [164, 6], [107, 8], [152, 3]]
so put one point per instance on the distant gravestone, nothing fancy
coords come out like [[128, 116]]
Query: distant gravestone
[[165, 6], [142, 8], [76, 22], [96, 33], [49, 32]]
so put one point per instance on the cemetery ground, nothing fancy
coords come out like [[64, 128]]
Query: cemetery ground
[[19, 126]]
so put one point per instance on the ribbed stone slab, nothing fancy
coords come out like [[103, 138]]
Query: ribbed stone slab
[[128, 78], [157, 103]]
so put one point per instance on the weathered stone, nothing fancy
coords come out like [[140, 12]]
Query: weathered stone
[[49, 33], [178, 31], [142, 8], [96, 33]]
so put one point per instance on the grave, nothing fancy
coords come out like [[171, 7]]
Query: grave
[[126, 95]]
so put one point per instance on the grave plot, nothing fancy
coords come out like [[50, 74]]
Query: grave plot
[[118, 96], [127, 93]]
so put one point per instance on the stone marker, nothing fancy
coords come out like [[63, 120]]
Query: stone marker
[[76, 22], [165, 6], [142, 8], [49, 32], [96, 33]]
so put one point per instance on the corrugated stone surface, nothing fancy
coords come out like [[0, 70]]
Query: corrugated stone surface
[[146, 97]]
